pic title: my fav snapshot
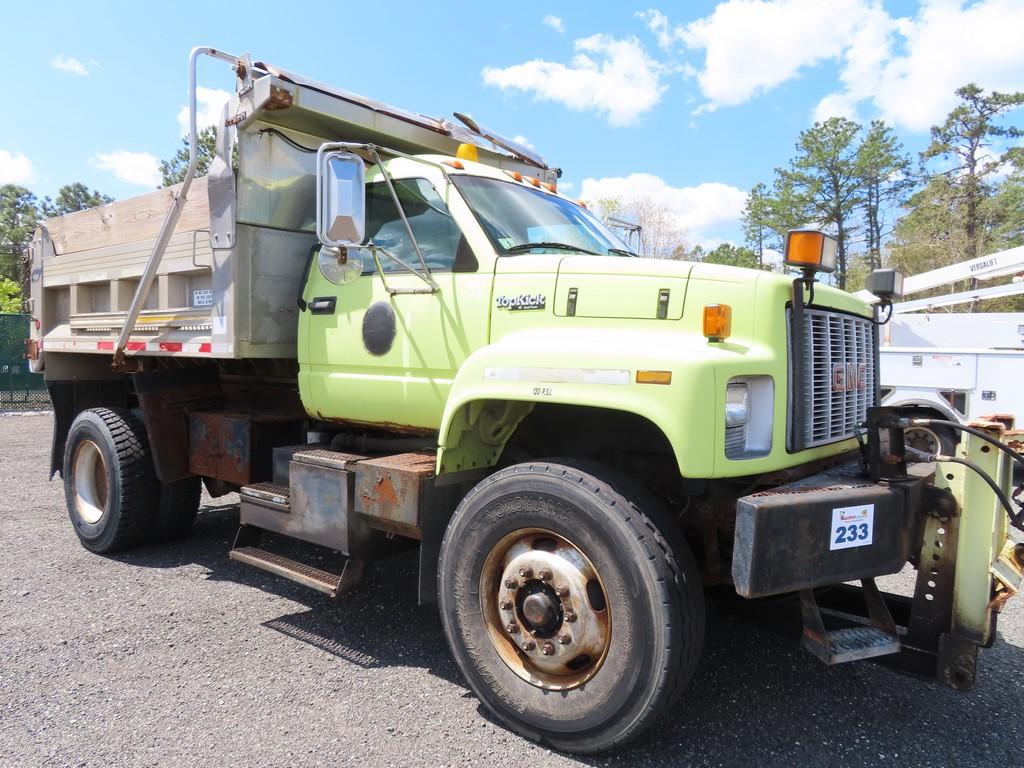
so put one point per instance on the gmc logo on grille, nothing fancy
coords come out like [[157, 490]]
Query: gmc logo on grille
[[849, 377]]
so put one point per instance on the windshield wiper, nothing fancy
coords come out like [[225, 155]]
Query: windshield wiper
[[559, 246], [624, 252]]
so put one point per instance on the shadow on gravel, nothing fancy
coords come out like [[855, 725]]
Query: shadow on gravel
[[346, 627], [756, 696]]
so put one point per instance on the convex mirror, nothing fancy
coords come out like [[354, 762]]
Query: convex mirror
[[340, 265]]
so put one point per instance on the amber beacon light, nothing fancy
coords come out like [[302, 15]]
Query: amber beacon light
[[810, 250]]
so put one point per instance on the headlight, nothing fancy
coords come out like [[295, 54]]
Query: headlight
[[749, 407], [737, 398]]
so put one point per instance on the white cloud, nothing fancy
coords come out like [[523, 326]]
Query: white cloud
[[68, 64], [754, 45], [657, 22], [835, 105], [947, 45], [15, 168], [554, 22], [700, 211], [520, 139], [209, 108], [611, 76], [139, 168], [906, 68]]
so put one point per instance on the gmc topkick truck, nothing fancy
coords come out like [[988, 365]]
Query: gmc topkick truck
[[374, 325]]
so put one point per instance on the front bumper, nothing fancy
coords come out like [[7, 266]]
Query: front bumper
[[942, 518], [825, 529]]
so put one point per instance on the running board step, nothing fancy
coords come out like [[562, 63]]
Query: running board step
[[837, 646], [852, 644], [333, 584], [307, 575]]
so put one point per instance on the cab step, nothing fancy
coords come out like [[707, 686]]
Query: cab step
[[317, 579], [838, 646], [333, 584]]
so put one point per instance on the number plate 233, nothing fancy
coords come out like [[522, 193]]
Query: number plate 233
[[852, 526]]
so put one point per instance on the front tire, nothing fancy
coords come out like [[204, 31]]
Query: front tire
[[109, 484], [571, 604]]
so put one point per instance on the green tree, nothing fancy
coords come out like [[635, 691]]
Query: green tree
[[965, 139], [10, 296], [756, 217], [967, 208], [173, 170], [733, 255], [824, 180], [71, 198], [19, 213], [883, 170]]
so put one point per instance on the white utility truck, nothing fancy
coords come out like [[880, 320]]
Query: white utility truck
[[956, 366]]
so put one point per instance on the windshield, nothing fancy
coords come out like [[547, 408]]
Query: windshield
[[520, 219]]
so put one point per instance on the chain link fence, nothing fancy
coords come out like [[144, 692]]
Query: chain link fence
[[20, 389]]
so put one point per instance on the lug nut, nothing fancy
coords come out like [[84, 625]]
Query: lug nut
[[529, 645], [570, 616], [545, 574], [506, 605], [512, 628], [547, 649], [564, 639], [511, 583], [562, 591], [526, 572]]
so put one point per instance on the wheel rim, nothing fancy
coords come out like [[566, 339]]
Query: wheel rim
[[89, 476], [545, 608], [922, 439]]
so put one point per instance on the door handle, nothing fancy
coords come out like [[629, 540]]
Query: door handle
[[323, 305]]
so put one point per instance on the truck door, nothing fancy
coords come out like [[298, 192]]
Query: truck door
[[367, 356]]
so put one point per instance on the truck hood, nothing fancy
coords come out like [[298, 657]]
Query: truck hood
[[621, 287]]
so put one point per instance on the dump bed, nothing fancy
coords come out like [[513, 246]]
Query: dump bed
[[87, 265], [228, 283]]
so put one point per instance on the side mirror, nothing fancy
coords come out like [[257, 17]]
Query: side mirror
[[341, 198], [886, 284]]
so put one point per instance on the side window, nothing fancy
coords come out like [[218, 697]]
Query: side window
[[439, 238]]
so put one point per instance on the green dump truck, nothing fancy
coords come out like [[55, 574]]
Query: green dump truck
[[380, 327]]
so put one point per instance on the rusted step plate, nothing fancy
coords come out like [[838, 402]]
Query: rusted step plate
[[269, 492], [307, 575], [321, 457]]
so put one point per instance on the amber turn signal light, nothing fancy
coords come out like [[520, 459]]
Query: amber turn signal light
[[717, 321], [654, 377], [810, 249]]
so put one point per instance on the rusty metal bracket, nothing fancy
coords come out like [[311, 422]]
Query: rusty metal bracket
[[931, 614]]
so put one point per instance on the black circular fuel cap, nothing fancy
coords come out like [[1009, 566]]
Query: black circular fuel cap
[[379, 328]]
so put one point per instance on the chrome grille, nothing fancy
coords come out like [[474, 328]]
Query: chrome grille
[[838, 375], [735, 440]]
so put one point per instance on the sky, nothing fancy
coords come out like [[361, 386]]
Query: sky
[[689, 103]]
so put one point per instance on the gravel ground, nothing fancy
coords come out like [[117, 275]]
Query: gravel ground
[[175, 655]]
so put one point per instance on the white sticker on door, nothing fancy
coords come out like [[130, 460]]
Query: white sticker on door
[[852, 526]]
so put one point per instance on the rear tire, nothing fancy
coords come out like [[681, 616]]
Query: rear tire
[[179, 503], [109, 484], [634, 628]]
